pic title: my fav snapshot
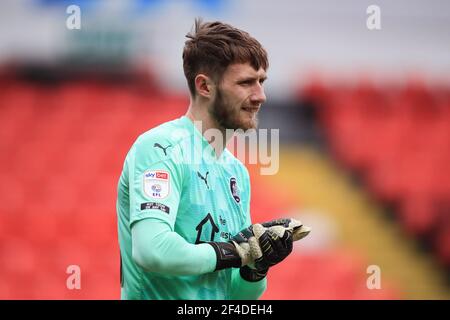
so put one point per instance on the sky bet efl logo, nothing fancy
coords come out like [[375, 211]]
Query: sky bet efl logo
[[156, 184], [157, 174]]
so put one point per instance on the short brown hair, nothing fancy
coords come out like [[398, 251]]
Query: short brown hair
[[213, 46]]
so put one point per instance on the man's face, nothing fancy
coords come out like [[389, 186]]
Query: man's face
[[238, 97]]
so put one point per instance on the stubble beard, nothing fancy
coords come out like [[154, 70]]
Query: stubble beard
[[228, 117]]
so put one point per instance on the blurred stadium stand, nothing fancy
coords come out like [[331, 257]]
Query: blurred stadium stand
[[396, 139]]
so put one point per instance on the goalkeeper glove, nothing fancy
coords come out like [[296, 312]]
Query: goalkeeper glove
[[269, 243], [238, 252], [244, 249], [273, 247], [275, 241], [234, 253], [263, 260]]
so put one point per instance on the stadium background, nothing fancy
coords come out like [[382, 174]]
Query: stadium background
[[364, 119]]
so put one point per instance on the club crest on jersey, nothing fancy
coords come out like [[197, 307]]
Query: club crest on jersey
[[156, 184], [234, 190]]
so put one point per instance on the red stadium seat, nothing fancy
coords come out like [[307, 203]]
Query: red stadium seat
[[397, 140]]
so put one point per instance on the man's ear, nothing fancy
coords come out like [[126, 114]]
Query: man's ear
[[204, 85]]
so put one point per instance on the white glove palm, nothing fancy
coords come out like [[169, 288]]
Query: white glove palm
[[275, 235]]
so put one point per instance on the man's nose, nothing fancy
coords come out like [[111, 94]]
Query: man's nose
[[258, 96]]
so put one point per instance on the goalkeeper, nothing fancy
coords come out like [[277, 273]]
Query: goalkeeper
[[184, 226]]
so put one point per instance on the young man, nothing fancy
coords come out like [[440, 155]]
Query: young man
[[180, 215]]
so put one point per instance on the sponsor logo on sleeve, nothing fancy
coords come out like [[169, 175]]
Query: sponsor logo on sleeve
[[156, 184], [155, 205]]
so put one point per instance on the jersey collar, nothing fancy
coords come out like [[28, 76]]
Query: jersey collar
[[206, 148]]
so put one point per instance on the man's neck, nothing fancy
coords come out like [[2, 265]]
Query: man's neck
[[203, 121]]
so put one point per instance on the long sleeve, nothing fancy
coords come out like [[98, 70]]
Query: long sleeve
[[158, 249]]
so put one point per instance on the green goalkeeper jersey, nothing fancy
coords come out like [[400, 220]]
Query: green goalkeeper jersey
[[171, 173]]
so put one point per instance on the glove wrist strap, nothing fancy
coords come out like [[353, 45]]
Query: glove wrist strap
[[252, 275], [227, 255]]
